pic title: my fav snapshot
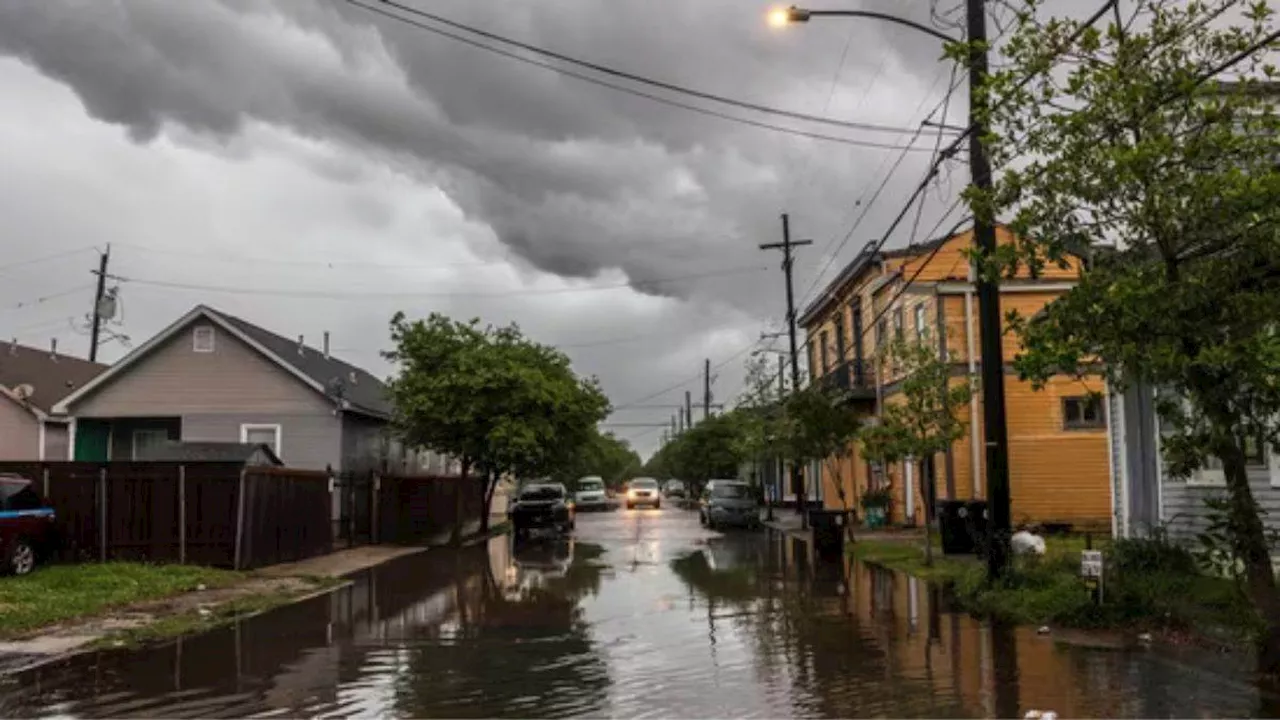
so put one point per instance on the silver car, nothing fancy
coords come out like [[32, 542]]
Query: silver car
[[728, 502], [643, 491], [591, 494]]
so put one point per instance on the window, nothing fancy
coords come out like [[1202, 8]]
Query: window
[[822, 348], [897, 324], [19, 496], [202, 339], [922, 326], [839, 340], [268, 435], [146, 440], [813, 367], [1082, 413], [882, 331]]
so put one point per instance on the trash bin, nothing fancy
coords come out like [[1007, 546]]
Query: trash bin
[[828, 531], [977, 523], [953, 526]]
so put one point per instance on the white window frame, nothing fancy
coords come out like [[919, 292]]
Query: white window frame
[[196, 334], [246, 428], [133, 439], [922, 325]]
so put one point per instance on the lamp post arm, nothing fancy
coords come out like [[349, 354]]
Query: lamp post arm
[[885, 17]]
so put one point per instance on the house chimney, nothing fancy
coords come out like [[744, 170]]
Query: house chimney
[[326, 344], [53, 348], [300, 345]]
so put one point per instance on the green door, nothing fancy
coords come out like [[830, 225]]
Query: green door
[[92, 438]]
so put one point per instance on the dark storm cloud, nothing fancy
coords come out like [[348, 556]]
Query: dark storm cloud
[[573, 177]]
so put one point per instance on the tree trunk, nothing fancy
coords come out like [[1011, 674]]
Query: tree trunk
[[926, 499], [458, 507], [490, 486], [1250, 544]]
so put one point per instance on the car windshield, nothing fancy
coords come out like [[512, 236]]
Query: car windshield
[[590, 485], [541, 492], [644, 484], [730, 492]]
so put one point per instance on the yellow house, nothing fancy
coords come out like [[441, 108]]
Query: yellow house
[[1058, 455]]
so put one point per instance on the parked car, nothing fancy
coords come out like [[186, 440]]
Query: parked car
[[27, 532], [728, 502], [542, 507], [591, 494], [674, 489], [643, 491]]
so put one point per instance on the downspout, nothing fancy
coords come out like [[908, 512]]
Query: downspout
[[975, 450]]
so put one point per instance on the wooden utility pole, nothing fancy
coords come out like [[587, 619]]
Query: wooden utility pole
[[995, 426], [95, 329], [706, 389], [688, 409], [788, 261]]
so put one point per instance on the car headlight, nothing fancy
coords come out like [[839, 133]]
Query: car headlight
[[631, 493]]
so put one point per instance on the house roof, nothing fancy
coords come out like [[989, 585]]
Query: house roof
[[208, 452], [358, 390], [51, 376]]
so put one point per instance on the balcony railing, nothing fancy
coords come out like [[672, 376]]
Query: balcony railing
[[854, 376]]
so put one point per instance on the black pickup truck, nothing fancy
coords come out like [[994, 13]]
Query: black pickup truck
[[542, 507]]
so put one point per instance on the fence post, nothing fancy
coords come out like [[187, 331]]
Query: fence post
[[102, 514], [375, 532], [44, 472], [239, 518], [182, 514]]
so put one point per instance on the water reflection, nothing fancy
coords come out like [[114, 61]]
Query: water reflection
[[658, 619]]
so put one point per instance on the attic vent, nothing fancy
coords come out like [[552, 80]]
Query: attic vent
[[353, 377], [202, 339]]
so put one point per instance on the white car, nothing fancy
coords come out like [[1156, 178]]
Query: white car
[[591, 494]]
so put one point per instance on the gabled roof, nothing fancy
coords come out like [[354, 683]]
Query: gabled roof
[[357, 389], [50, 377]]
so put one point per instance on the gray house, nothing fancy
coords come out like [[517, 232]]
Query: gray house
[[213, 378], [1145, 496], [32, 381]]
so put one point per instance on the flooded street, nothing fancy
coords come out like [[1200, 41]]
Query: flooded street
[[644, 614]]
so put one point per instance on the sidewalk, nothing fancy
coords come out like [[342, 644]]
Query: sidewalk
[[787, 521]]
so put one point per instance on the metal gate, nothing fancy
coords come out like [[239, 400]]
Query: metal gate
[[353, 496]]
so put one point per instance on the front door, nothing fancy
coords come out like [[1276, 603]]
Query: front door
[[93, 437]]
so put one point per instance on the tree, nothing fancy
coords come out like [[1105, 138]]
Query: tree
[[924, 422], [603, 454], [758, 415], [818, 423], [1133, 152], [710, 449], [495, 400]]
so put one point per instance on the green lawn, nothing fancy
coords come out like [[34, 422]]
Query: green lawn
[[59, 593], [1149, 585]]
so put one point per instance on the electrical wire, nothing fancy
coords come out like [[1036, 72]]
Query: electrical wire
[[633, 77], [45, 258], [680, 385], [45, 298], [344, 296], [632, 91]]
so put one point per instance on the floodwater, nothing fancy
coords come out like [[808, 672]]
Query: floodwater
[[644, 614]]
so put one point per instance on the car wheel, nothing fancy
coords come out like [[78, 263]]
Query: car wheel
[[702, 520], [22, 558], [657, 506], [631, 506]]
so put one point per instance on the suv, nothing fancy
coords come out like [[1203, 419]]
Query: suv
[[643, 491], [27, 533], [591, 494], [728, 502], [542, 506]]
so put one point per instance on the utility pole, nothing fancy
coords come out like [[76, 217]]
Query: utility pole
[[706, 389], [788, 261], [679, 414], [989, 319], [688, 409], [782, 377], [96, 327]]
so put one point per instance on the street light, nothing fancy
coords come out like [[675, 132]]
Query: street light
[[995, 425]]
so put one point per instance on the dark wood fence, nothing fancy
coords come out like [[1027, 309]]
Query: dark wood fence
[[220, 514], [425, 509]]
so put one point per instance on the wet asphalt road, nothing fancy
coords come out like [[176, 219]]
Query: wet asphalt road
[[642, 614]]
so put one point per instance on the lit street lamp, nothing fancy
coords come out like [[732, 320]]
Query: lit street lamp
[[984, 238]]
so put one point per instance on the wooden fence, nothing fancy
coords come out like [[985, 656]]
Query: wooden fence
[[424, 509], [220, 514]]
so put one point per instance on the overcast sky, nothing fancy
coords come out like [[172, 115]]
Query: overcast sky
[[310, 165]]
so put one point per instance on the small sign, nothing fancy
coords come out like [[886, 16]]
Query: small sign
[[1091, 563]]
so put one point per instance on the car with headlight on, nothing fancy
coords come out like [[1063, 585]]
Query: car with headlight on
[[591, 494], [728, 502], [542, 508], [644, 491]]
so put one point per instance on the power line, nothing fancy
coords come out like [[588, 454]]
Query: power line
[[242, 259], [334, 295], [680, 385], [624, 75], [632, 91], [45, 298], [45, 258]]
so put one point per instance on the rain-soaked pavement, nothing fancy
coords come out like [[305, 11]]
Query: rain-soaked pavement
[[643, 614]]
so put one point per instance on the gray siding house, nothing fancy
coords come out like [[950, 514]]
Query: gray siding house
[[1145, 496], [32, 381], [212, 377]]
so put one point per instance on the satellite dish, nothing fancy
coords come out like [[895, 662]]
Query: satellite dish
[[24, 391]]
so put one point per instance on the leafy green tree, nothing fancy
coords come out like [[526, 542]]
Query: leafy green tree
[[923, 421], [710, 449], [818, 423], [758, 415], [490, 397], [604, 455], [1131, 151]]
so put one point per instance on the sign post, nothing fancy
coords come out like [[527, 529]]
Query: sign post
[[1091, 572]]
